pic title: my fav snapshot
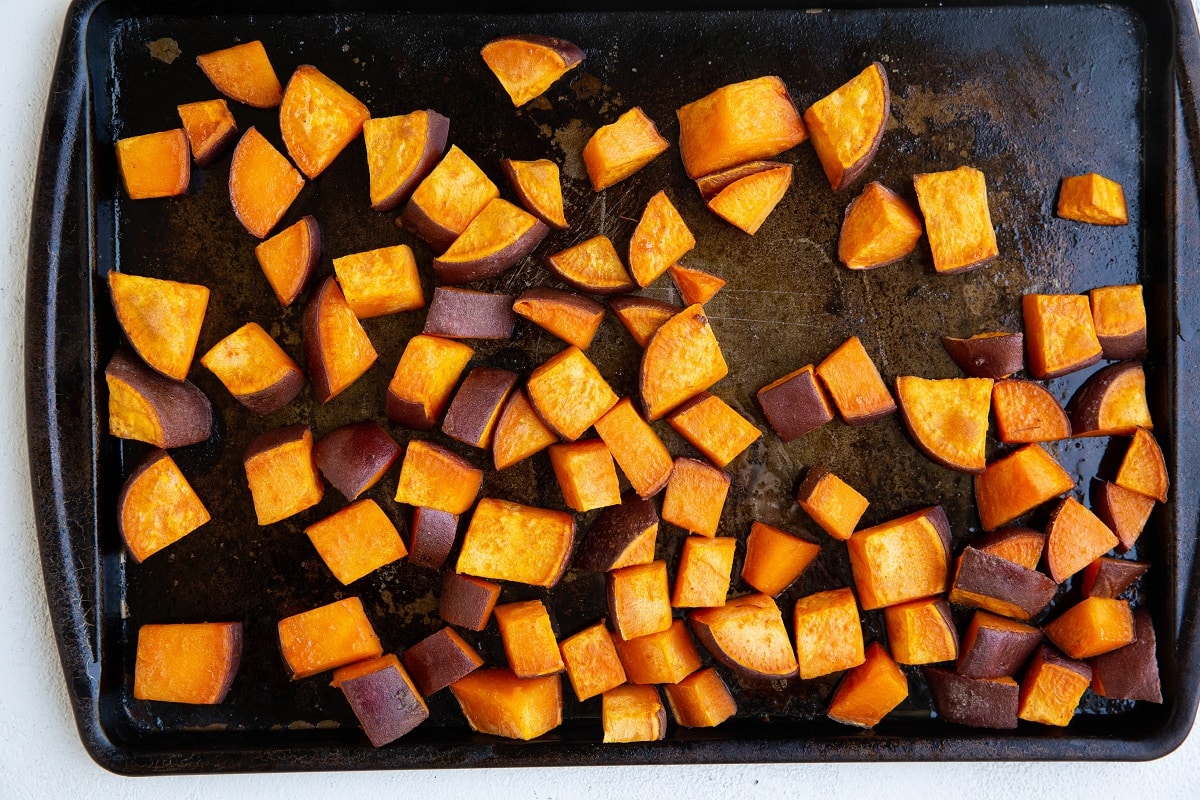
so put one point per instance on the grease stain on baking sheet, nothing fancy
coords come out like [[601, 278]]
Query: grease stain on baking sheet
[[570, 139], [165, 50], [922, 110]]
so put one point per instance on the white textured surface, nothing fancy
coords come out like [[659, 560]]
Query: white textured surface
[[40, 751]]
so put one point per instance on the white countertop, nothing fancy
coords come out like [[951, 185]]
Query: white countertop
[[40, 751]]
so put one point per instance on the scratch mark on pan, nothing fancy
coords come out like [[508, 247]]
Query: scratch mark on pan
[[766, 321]]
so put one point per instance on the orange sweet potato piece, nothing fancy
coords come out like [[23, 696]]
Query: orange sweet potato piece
[[1111, 402], [1052, 688], [1124, 511], [209, 126], [682, 360], [639, 599], [1017, 483], [327, 637], [1093, 626], [621, 536], [695, 496], [870, 691], [695, 287], [665, 657], [161, 319], [539, 188], [747, 634], [528, 638], [592, 266], [255, 369], [569, 316], [289, 258], [660, 239], [147, 407], [636, 447], [620, 149], [1143, 469], [1075, 538], [701, 700], [519, 433], [847, 125], [497, 702], [921, 631], [832, 503], [633, 714], [702, 578], [1026, 412], [262, 184], [747, 202], [282, 473], [593, 666], [356, 541], [187, 663], [401, 151], [155, 164], [828, 633], [714, 428], [424, 380], [795, 404], [586, 474], [957, 219], [1021, 546], [948, 419], [446, 201], [879, 229], [852, 381], [379, 282], [1119, 314], [243, 73], [336, 348], [642, 316], [318, 118], [1092, 198], [495, 240], [157, 506], [775, 559], [570, 393], [433, 477], [1060, 336], [903, 559], [511, 542], [527, 65]]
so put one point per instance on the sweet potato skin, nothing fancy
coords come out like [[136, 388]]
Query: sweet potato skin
[[182, 413]]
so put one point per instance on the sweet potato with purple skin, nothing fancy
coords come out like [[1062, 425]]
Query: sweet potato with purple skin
[[336, 347], [447, 199], [1119, 314], [1026, 412], [386, 703], [993, 355], [187, 663], [592, 266], [1143, 469], [538, 186], [439, 660], [976, 702], [289, 258], [983, 580], [401, 151], [948, 419], [846, 126], [210, 128], [155, 164], [642, 316], [527, 65], [354, 457], [424, 380], [474, 411], [621, 536], [995, 646], [1130, 673], [1124, 511], [682, 360], [1075, 537], [1110, 577], [255, 369], [569, 316], [795, 404], [157, 506], [145, 406], [1019, 545], [493, 242], [243, 73], [467, 601], [433, 536], [1111, 402], [162, 319], [1052, 687], [282, 473], [262, 184], [747, 635]]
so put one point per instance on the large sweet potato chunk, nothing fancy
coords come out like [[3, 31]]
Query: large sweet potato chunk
[[433, 477], [828, 633], [497, 702], [145, 406], [1019, 545], [592, 662], [957, 219], [702, 579], [991, 354], [1026, 412], [456, 313], [621, 536], [439, 660], [639, 599], [775, 559], [327, 637], [854, 384], [682, 360], [282, 473], [155, 164], [570, 393], [500, 236], [991, 582], [1017, 483], [1124, 511], [633, 713], [976, 702], [187, 663], [527, 65], [921, 631], [539, 188], [381, 281], [449, 197], [1131, 672], [870, 691], [618, 150], [636, 447], [795, 404], [424, 380], [289, 258], [386, 702], [879, 228], [847, 125], [1092, 198], [401, 151], [714, 428], [948, 419], [701, 700], [466, 601], [336, 347], [476, 408], [695, 496], [318, 118], [243, 73], [262, 184], [354, 457], [1094, 626], [586, 474], [747, 635], [1060, 336], [161, 319], [511, 542], [569, 316], [994, 646], [665, 657], [1111, 402], [528, 639], [1075, 538], [356, 541], [904, 559], [747, 202], [157, 506], [1143, 469], [255, 369], [660, 239], [1119, 314], [1052, 688]]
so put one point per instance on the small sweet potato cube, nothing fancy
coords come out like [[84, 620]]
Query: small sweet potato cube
[[569, 393], [660, 239], [695, 287], [424, 380], [831, 502], [639, 599], [852, 381], [528, 639], [1110, 577], [187, 663], [991, 354], [847, 125], [466, 601], [354, 457], [702, 578], [336, 348], [747, 202], [519, 433], [636, 447], [1092, 198], [1119, 315], [439, 660], [592, 662], [511, 542], [976, 702], [620, 149], [921, 631], [157, 506], [633, 714], [1125, 512], [1131, 672], [262, 184], [145, 406], [682, 360], [289, 258], [401, 151], [1026, 412], [828, 633], [539, 188], [1111, 402], [1052, 687], [869, 692], [327, 637], [747, 634], [364, 667], [775, 559], [379, 282], [209, 126], [1017, 483], [987, 581], [665, 657], [948, 419], [622, 536], [155, 164], [243, 73], [446, 201], [318, 118], [1075, 538], [433, 535], [433, 477], [161, 319], [957, 219], [475, 409], [1143, 469], [386, 703], [1022, 546], [695, 496], [1092, 627], [995, 646], [282, 473], [714, 428], [497, 702], [527, 65], [795, 404], [255, 369], [879, 229], [1060, 336], [642, 316], [500, 236], [569, 316], [586, 474], [903, 559], [701, 700], [356, 541], [592, 266]]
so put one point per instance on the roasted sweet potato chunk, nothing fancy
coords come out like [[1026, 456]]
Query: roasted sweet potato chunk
[[1092, 627], [639, 599], [424, 380], [1111, 402], [621, 536], [665, 657], [539, 188], [1130, 672], [879, 229], [1119, 314], [528, 638], [695, 287], [831, 502], [318, 118], [1052, 688], [1060, 336], [636, 447], [433, 477], [921, 631], [975, 702], [1110, 577], [701, 700], [633, 714], [593, 666], [993, 354], [1092, 198], [209, 126], [439, 660], [262, 184], [957, 219], [775, 558], [795, 404], [446, 201], [1124, 511], [289, 258], [356, 541], [995, 646], [187, 663], [243, 73], [255, 369], [682, 360], [660, 239], [401, 151], [495, 240], [747, 202], [157, 506], [458, 313], [592, 266], [586, 474], [511, 542], [702, 579], [714, 428], [904, 559], [847, 125], [1017, 483], [569, 316], [747, 635], [737, 123], [870, 691], [282, 473], [695, 496], [852, 381], [570, 393], [642, 316], [155, 164], [466, 601], [1075, 538], [385, 700], [948, 419], [1026, 412], [336, 347], [496, 701], [476, 408], [519, 433], [1021, 546], [527, 65], [379, 282], [1143, 469], [433, 535], [354, 457], [828, 633], [712, 184], [327, 637], [620, 149], [983, 580], [161, 319], [145, 406]]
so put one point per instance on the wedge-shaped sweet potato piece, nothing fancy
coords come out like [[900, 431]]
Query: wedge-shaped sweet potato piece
[[682, 360], [1017, 483], [519, 432], [948, 419], [712, 184], [775, 558], [476, 408], [243, 73], [327, 637], [145, 406], [828, 633], [1119, 314], [538, 187], [1124, 511], [639, 599], [318, 118], [847, 125], [714, 428], [570, 393], [1052, 688], [424, 380], [921, 631], [665, 657], [904, 559], [975, 702], [528, 64], [701, 700], [957, 219], [1110, 577], [336, 348], [1019, 545], [401, 151], [633, 714], [831, 502], [255, 369], [747, 635], [995, 646], [511, 542], [993, 583], [356, 541], [993, 354], [282, 473], [155, 164], [747, 202], [695, 287], [209, 126], [289, 258], [379, 282], [702, 578], [592, 266], [161, 319], [660, 239], [795, 404], [636, 447], [1143, 469], [1026, 412], [446, 201], [621, 148], [262, 184], [1131, 672], [1111, 402], [528, 639], [1075, 538], [870, 691], [622, 536], [695, 496], [1094, 626], [1092, 198], [879, 229], [586, 474], [439, 660], [852, 381], [433, 477], [569, 316], [466, 601], [433, 535], [157, 506], [1060, 336], [187, 663], [385, 701], [494, 241], [593, 666], [497, 702], [354, 457], [642, 316]]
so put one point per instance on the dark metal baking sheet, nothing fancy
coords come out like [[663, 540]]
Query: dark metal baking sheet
[[1026, 92]]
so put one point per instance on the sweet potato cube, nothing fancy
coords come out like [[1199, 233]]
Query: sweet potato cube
[[424, 380], [157, 506], [318, 118], [869, 692], [991, 354], [1017, 483], [633, 714], [903, 559], [714, 428], [586, 474], [243, 73], [1119, 315], [987, 581], [439, 660], [702, 579], [642, 316], [592, 266], [433, 477], [289, 258], [747, 202], [466, 601], [1110, 577], [570, 393], [1094, 626], [828, 633], [446, 201], [682, 360], [155, 164], [747, 634], [1111, 402], [1026, 412], [209, 126], [282, 473], [161, 319], [775, 559], [660, 239], [336, 348], [701, 700], [500, 236], [527, 65], [528, 639], [1092, 198], [831, 502], [1131, 672], [401, 151], [665, 657], [496, 701], [621, 536], [1075, 538], [852, 381], [995, 646], [957, 219], [354, 457], [356, 541], [976, 702], [1052, 688], [592, 662], [539, 188], [879, 229], [255, 369], [636, 447], [1125, 512], [620, 149], [1143, 469], [458, 313], [921, 631], [639, 599], [386, 703], [1022, 546], [187, 663], [569, 316], [1060, 336], [519, 433], [847, 125], [476, 408], [147, 407], [433, 535], [327, 637], [379, 282], [262, 184], [511, 542], [948, 419], [364, 667], [695, 496], [795, 404], [737, 123]]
